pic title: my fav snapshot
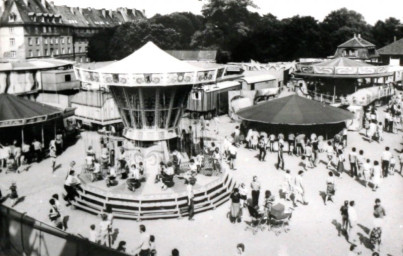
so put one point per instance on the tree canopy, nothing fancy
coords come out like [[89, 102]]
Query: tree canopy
[[239, 33]]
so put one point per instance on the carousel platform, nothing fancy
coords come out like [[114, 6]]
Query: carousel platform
[[149, 201]]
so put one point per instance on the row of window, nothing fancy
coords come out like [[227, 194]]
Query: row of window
[[52, 40], [49, 52]]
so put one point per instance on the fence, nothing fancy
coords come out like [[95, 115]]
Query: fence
[[23, 235]]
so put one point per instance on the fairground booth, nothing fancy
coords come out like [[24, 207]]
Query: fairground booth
[[25, 120], [335, 79], [150, 88], [294, 114]]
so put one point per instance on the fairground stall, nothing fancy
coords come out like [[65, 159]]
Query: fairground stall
[[294, 114], [150, 88], [333, 81]]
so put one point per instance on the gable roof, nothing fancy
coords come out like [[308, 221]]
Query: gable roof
[[395, 48], [356, 42]]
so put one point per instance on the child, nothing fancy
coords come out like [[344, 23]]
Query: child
[[153, 251], [13, 194], [93, 234], [52, 154]]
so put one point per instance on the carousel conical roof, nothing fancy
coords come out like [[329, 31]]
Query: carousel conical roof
[[16, 111], [342, 62], [294, 110], [149, 59]]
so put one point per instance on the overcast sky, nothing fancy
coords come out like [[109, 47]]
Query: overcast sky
[[371, 9]]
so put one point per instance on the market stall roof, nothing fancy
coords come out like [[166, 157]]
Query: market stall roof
[[33, 64], [294, 110], [16, 111], [149, 59]]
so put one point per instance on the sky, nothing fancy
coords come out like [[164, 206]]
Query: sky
[[371, 10]]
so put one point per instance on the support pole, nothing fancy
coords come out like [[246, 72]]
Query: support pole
[[43, 136], [54, 128], [22, 136]]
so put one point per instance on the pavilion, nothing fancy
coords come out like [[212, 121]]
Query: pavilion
[[295, 114], [21, 118], [331, 79]]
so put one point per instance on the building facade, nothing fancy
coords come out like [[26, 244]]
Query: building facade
[[40, 29], [392, 54]]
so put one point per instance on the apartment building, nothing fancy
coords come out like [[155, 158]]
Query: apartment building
[[40, 29]]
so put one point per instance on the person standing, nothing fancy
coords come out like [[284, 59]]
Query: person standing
[[189, 188], [386, 156], [54, 215], [255, 186], [330, 188], [280, 157], [340, 162], [70, 185], [144, 246], [360, 162], [291, 143], [352, 221], [104, 230], [366, 172], [235, 210], [262, 148], [232, 156], [376, 175], [300, 187], [344, 217], [288, 185], [52, 154], [329, 153], [375, 236], [352, 157]]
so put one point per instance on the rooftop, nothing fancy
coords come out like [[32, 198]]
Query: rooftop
[[395, 48]]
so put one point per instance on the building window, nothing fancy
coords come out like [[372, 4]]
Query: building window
[[46, 41], [51, 41], [38, 40], [46, 52], [50, 29], [62, 50], [57, 52], [79, 49], [44, 29], [12, 41], [69, 50], [31, 54], [13, 54], [36, 30], [67, 78], [30, 41], [69, 40], [11, 29], [38, 53], [12, 17], [56, 40], [62, 40]]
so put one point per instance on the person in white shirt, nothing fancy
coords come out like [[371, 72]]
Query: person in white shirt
[[232, 156], [329, 153], [104, 230], [93, 236], [37, 150], [352, 220], [386, 156], [366, 171], [300, 187], [144, 246], [111, 179]]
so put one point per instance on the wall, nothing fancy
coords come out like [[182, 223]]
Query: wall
[[23, 235], [19, 45]]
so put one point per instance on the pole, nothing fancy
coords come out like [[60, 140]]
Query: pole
[[22, 136], [54, 128], [43, 136]]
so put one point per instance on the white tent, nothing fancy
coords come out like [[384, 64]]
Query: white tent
[[149, 59]]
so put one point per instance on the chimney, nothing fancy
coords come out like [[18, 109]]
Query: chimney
[[80, 10], [110, 12], [103, 11], [359, 35], [123, 11]]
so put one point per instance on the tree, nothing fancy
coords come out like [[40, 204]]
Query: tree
[[98, 45], [341, 25], [131, 36], [385, 32]]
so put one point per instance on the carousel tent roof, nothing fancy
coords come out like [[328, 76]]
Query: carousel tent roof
[[294, 110], [14, 108], [149, 59], [342, 62]]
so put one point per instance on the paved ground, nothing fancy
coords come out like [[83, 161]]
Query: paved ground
[[313, 231]]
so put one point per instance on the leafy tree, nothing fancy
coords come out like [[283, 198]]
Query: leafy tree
[[384, 32], [341, 25], [99, 43], [131, 36]]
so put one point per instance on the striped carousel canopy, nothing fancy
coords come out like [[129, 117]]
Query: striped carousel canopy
[[16, 111]]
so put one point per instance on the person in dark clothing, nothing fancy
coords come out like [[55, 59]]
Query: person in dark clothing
[[236, 197], [344, 217], [262, 149], [255, 186]]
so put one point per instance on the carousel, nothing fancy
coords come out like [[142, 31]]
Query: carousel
[[335, 80], [150, 88]]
